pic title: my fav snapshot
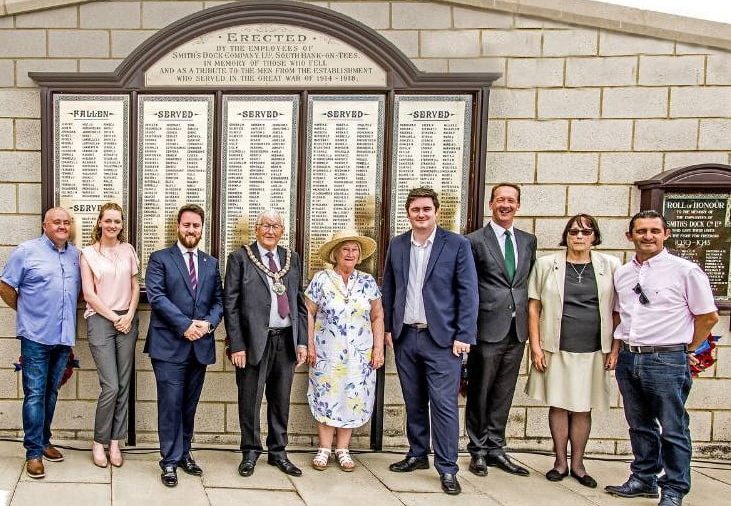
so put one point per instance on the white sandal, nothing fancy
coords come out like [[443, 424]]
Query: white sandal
[[321, 458], [344, 461]]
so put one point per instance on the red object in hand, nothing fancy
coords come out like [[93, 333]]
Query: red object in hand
[[704, 355]]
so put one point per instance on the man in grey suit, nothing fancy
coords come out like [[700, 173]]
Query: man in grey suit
[[504, 257], [266, 323]]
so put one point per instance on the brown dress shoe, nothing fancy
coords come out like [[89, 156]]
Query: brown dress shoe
[[34, 468], [51, 454]]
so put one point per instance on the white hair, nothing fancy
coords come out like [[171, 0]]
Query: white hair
[[272, 215]]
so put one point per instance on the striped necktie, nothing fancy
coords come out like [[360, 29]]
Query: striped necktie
[[191, 271]]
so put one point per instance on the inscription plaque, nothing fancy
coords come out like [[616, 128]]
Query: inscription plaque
[[431, 140], [345, 170], [91, 162], [259, 166], [700, 226], [175, 167]]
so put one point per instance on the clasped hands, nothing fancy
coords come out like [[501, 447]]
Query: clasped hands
[[197, 329], [123, 324]]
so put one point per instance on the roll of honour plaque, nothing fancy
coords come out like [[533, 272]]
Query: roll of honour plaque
[[91, 162], [175, 167], [345, 170], [259, 165], [431, 147]]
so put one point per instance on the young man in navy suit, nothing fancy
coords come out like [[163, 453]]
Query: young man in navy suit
[[185, 294], [430, 306]]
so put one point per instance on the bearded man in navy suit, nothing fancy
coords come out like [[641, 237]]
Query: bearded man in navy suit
[[430, 306], [185, 294]]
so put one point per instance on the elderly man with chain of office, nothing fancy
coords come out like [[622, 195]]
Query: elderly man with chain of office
[[664, 310], [266, 322]]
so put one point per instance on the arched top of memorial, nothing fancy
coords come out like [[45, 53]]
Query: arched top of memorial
[[262, 45], [705, 175]]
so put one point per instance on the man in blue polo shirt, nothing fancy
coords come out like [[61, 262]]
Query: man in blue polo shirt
[[41, 282]]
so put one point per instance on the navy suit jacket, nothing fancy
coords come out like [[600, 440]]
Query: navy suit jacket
[[174, 305], [449, 291]]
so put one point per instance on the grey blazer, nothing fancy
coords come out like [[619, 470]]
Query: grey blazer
[[499, 298], [247, 303]]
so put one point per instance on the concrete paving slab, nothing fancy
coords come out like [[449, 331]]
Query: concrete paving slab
[[442, 499], [721, 473], [12, 449], [76, 467], [62, 494], [10, 469], [220, 470], [706, 490], [234, 497]]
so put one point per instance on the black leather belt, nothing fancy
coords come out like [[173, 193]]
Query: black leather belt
[[417, 326], [279, 330], [655, 349]]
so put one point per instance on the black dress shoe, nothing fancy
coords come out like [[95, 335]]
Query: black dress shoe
[[189, 466], [632, 488], [503, 462], [450, 485], [410, 464], [670, 500], [478, 465], [246, 468], [284, 465], [556, 475], [169, 476], [585, 480]]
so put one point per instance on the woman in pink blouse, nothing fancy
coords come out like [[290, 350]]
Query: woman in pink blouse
[[109, 269]]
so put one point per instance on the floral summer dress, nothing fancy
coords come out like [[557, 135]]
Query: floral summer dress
[[342, 383]]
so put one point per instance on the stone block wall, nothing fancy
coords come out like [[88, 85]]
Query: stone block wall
[[579, 114]]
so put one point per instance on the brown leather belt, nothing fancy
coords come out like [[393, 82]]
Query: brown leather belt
[[655, 349], [417, 326]]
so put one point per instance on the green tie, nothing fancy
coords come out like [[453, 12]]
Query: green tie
[[509, 256]]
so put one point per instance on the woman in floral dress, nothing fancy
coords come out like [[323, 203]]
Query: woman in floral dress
[[345, 334]]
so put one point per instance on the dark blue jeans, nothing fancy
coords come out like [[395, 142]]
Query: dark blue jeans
[[654, 387], [43, 367]]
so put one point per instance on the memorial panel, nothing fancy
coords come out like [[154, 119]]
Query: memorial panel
[[345, 170], [90, 157], [431, 147], [701, 225], [174, 167], [259, 166]]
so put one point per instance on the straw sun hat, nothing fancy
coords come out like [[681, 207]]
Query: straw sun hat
[[367, 245]]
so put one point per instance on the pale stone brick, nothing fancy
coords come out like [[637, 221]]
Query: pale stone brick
[[406, 40], [526, 135], [617, 44], [515, 167], [11, 414], [568, 103], [18, 228], [470, 18], [8, 384], [543, 200], [160, 14], [29, 198], [613, 71], [7, 327], [628, 167], [450, 44], [707, 393], [723, 362], [531, 22], [41, 65], [28, 134], [74, 415], [715, 134], [698, 102], [8, 199], [721, 425], [718, 70], [110, 15], [670, 70], [525, 224], [7, 22], [609, 424], [22, 43], [635, 102], [535, 72], [20, 166], [685, 158], [601, 135], [372, 14], [219, 386], [602, 200], [431, 64], [88, 386], [676, 134], [98, 65], [700, 425], [511, 43], [65, 17], [536, 423], [568, 167], [6, 133], [613, 230], [684, 48], [78, 43], [496, 65], [7, 73], [576, 42], [495, 135], [509, 103], [420, 15], [126, 41]]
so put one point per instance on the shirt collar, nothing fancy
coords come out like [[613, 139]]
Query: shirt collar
[[500, 230], [51, 244], [429, 240], [185, 250], [263, 251], [660, 257]]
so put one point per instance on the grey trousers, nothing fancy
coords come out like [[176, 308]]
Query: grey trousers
[[114, 354]]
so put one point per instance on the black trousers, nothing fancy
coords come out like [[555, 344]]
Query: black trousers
[[272, 375], [493, 371]]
